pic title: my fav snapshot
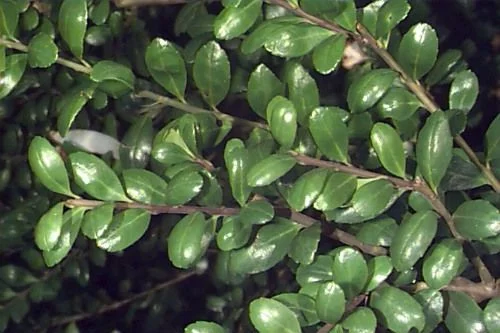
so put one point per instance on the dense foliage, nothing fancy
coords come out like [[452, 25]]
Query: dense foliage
[[248, 166]]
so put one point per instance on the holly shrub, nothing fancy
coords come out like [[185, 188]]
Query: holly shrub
[[276, 166]]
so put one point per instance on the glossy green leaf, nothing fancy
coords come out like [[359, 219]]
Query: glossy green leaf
[[126, 228], [282, 118], [398, 103], [373, 198], [442, 263], [362, 320], [72, 220], [434, 148], [169, 153], [237, 164], [99, 12], [145, 186], [462, 174], [48, 228], [48, 166], [477, 219], [444, 65], [379, 269], [418, 50], [269, 316], [338, 189], [305, 245], [368, 89], [377, 232], [391, 13], [433, 305], [257, 212], [234, 21], [72, 24], [491, 315], [271, 244], [302, 91], [96, 222], [115, 79], [166, 66], [211, 73], [328, 54], [463, 315], [263, 86], [71, 104], [306, 189], [187, 15], [96, 178], [417, 201], [330, 302], [42, 51], [136, 144], [183, 187], [412, 239], [9, 18], [342, 12], [233, 234], [204, 327], [389, 148], [330, 134], [350, 271], [397, 310], [464, 91], [14, 69], [260, 35], [492, 139], [188, 240], [269, 169], [303, 306], [321, 270]]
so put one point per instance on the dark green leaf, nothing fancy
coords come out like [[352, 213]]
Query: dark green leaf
[[442, 263], [397, 310], [167, 67], [96, 222], [211, 73], [434, 148], [48, 166], [463, 315], [204, 327], [183, 187], [391, 13], [302, 91], [282, 118], [115, 79], [14, 69], [71, 104], [362, 320], [462, 174], [307, 189], [305, 245], [379, 268], [337, 190], [398, 103], [443, 66], [42, 51], [145, 186], [233, 234], [234, 21], [15, 276], [257, 212], [9, 17], [48, 228], [491, 315], [327, 55], [126, 228], [389, 148], [412, 239], [99, 12], [187, 15], [136, 144], [303, 306], [321, 270], [350, 271], [493, 139], [260, 35], [269, 247], [72, 24], [270, 316], [464, 90], [96, 178], [342, 12], [477, 219], [330, 134], [432, 304], [418, 50], [373, 198], [377, 232], [269, 169], [188, 240], [263, 85], [237, 164], [330, 302], [368, 89]]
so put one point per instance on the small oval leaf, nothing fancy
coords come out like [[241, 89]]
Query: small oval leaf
[[269, 169]]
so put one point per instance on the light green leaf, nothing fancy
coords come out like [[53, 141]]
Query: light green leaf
[[96, 178], [379, 269], [72, 24], [166, 66], [377, 232], [373, 198], [337, 190], [14, 69], [282, 119], [99, 12], [389, 148], [303, 306], [126, 228], [42, 51], [327, 55], [321, 270], [211, 73], [204, 327], [418, 50], [442, 263], [233, 234], [432, 304], [48, 228], [306, 189], [263, 85], [362, 320], [270, 316], [491, 315], [368, 89], [269, 169], [463, 91], [492, 139], [302, 91], [305, 245], [9, 17], [330, 134], [412, 239], [477, 219], [398, 103], [183, 187], [257, 212], [48, 166], [234, 21], [330, 302], [463, 315], [145, 186], [434, 148], [237, 164], [115, 79], [350, 271], [96, 222]]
